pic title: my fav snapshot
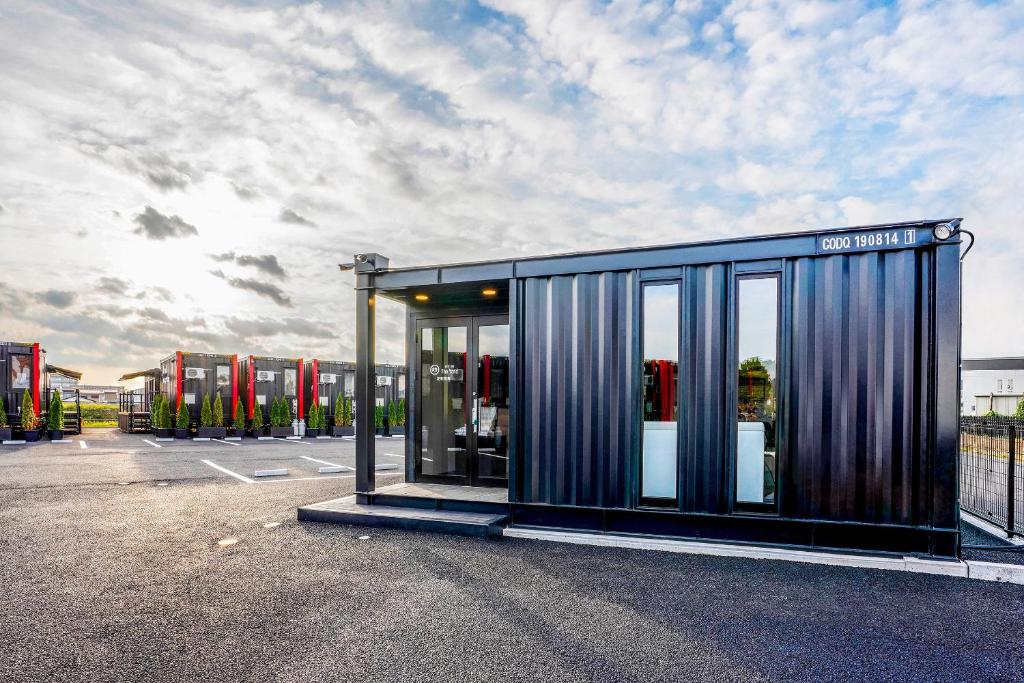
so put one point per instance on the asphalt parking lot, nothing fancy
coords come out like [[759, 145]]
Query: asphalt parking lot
[[123, 561]]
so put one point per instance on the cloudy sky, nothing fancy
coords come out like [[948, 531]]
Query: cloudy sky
[[188, 174]]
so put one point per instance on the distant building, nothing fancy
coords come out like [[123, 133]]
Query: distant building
[[991, 384], [91, 393]]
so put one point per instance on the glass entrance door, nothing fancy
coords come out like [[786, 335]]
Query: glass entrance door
[[461, 422]]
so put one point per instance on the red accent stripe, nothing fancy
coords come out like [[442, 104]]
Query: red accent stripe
[[37, 376], [234, 384], [314, 380], [487, 380], [180, 384], [252, 385], [300, 388]]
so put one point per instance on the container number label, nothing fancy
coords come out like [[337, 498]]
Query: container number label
[[869, 241]]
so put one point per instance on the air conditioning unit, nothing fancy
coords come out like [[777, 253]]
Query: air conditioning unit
[[194, 373], [328, 378], [384, 380], [264, 376]]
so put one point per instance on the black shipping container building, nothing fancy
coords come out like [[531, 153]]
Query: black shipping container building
[[795, 388], [23, 368], [338, 378], [192, 376], [264, 379]]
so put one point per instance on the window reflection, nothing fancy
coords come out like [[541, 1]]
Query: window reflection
[[442, 402], [757, 342], [660, 382], [492, 401]]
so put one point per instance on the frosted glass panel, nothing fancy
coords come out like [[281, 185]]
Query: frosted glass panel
[[659, 474]]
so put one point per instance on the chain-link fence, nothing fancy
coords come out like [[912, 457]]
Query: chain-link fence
[[992, 472]]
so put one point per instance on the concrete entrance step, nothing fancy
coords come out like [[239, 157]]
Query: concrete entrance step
[[348, 511]]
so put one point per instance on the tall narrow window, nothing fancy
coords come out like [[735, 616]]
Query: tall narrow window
[[660, 410], [757, 329]]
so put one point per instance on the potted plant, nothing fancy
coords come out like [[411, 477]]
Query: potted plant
[[342, 418], [29, 419], [313, 421], [5, 429], [55, 417], [400, 415], [208, 419], [378, 420], [238, 428], [181, 420], [162, 422], [257, 421], [393, 418], [280, 419]]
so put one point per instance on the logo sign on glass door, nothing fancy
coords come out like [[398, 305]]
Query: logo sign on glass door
[[446, 373]]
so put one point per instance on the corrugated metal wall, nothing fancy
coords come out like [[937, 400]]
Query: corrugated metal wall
[[857, 402], [855, 388], [578, 420]]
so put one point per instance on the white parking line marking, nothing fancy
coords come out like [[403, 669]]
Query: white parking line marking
[[285, 481], [154, 445], [324, 462], [83, 444], [304, 443], [225, 470], [227, 442]]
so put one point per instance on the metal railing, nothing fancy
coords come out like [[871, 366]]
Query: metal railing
[[992, 472]]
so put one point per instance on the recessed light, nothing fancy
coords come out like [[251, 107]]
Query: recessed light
[[490, 291], [422, 297]]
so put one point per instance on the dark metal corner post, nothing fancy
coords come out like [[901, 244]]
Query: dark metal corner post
[[366, 377]]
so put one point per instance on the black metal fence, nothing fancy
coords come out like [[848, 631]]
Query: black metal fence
[[992, 471]]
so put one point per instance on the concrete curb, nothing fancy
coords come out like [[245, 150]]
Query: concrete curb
[[989, 528], [984, 571]]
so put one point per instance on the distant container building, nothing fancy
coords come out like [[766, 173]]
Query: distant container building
[[991, 384]]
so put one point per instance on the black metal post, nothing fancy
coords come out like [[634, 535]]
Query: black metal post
[[366, 384], [1011, 475]]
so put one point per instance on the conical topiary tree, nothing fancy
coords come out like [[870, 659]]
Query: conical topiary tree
[[392, 414], [218, 412], [55, 413], [165, 412], [28, 411], [339, 412], [401, 413], [206, 413], [3, 413], [181, 421], [257, 419], [239, 416], [378, 417]]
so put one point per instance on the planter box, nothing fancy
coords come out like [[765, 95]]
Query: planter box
[[212, 432], [163, 433], [280, 432], [5, 433], [31, 435], [236, 432], [56, 435], [181, 433], [343, 431], [312, 433]]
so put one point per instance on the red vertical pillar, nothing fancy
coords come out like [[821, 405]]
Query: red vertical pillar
[[234, 384], [252, 385], [37, 377], [300, 387], [314, 382], [178, 382]]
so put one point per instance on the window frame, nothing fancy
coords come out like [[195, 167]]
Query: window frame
[[647, 501], [774, 273]]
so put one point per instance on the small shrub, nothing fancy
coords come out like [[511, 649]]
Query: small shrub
[[165, 412], [257, 418], [991, 413], [55, 414], [218, 412], [181, 421], [378, 417], [1020, 410], [239, 416], [401, 412], [392, 414], [206, 413], [28, 411], [3, 413]]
